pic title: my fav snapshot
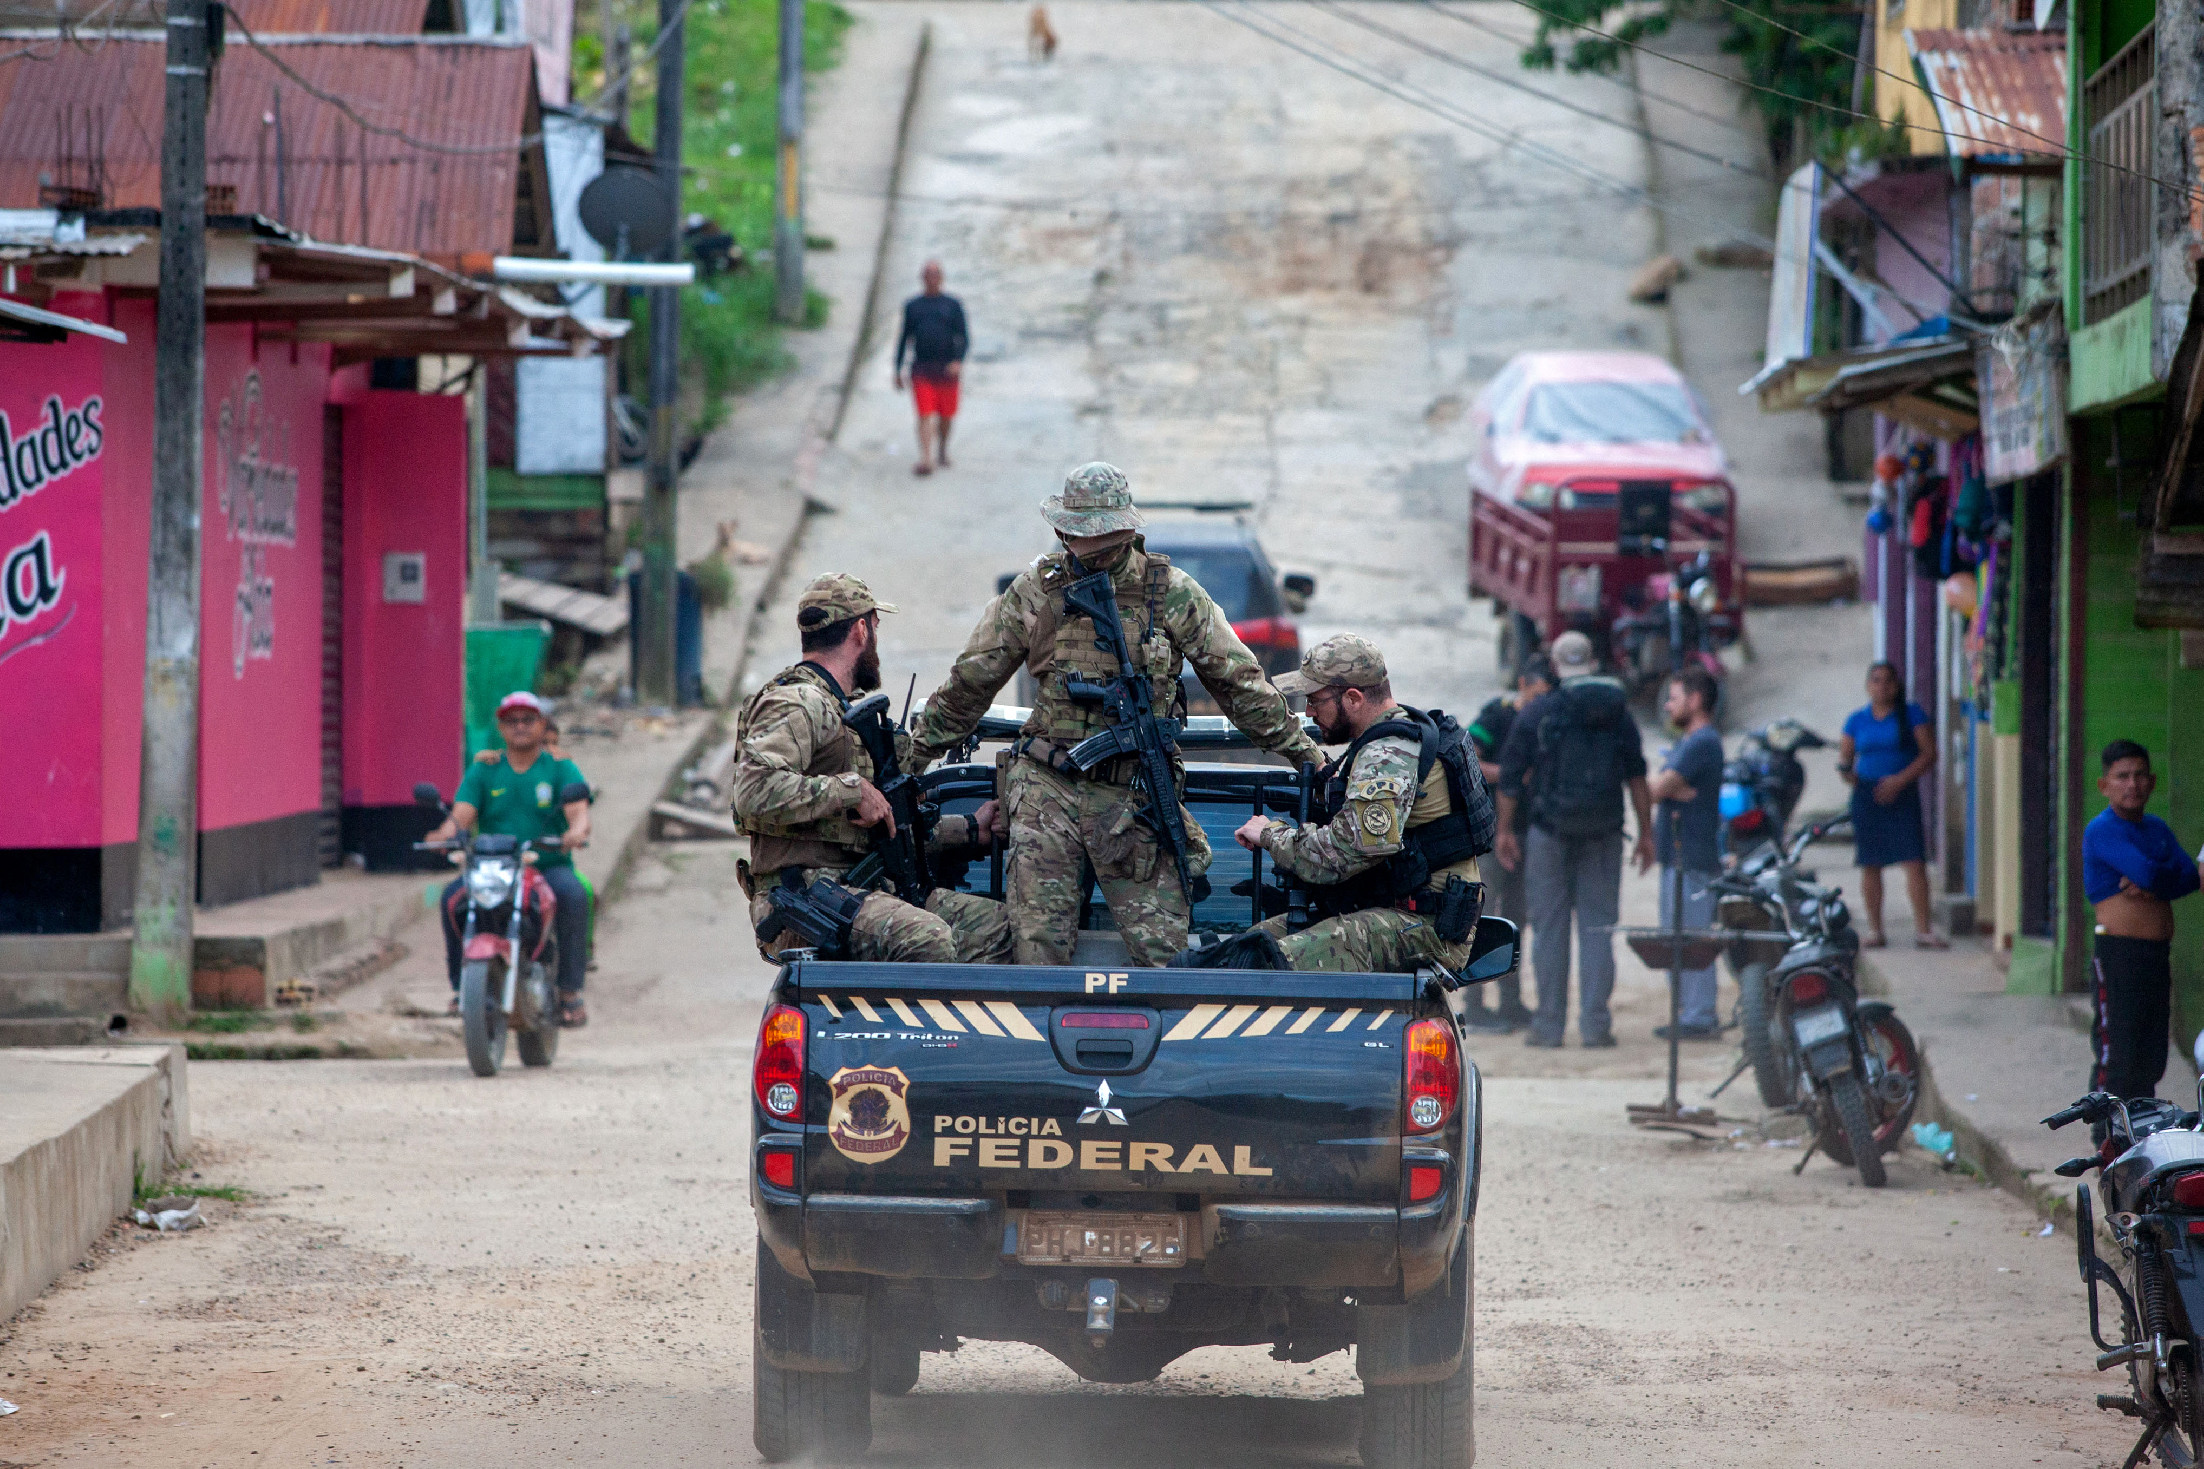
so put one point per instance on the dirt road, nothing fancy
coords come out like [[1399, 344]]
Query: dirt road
[[1246, 276]]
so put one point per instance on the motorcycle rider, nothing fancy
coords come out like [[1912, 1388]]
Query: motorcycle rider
[[516, 794]]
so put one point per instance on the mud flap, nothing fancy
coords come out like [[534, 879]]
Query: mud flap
[[804, 1330], [1421, 1340]]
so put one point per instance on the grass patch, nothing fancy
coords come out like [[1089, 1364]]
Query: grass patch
[[144, 1190], [730, 134], [230, 1022]]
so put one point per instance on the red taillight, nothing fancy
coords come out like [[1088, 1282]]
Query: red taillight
[[1750, 819], [1424, 1181], [1809, 988], [779, 1167], [1268, 632], [2188, 1191], [1432, 1069], [1102, 1020], [777, 1073]]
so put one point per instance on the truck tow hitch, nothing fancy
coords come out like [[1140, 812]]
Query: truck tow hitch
[[1101, 1310]]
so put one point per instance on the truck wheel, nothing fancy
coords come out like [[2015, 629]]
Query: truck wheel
[[482, 1016], [894, 1365], [796, 1415], [1424, 1426], [1771, 1070]]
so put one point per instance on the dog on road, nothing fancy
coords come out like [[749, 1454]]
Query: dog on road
[[1040, 39]]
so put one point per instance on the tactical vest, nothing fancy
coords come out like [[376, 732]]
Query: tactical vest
[[832, 841], [1430, 846], [1062, 648]]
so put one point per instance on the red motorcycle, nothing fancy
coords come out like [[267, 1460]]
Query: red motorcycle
[[509, 945]]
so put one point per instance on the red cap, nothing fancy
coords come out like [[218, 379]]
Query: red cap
[[520, 699]]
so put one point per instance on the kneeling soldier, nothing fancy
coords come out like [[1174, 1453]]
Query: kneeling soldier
[[804, 795], [1404, 816]]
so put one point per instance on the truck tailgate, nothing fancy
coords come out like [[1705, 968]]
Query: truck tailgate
[[961, 1080]]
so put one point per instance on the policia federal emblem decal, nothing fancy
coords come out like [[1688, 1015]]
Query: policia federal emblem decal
[[870, 1119]]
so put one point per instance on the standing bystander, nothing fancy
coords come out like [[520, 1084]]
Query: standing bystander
[[1504, 885], [1884, 751], [1572, 755], [1687, 835], [936, 339], [2133, 870]]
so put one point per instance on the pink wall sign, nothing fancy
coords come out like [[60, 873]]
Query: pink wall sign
[[53, 434], [261, 574]]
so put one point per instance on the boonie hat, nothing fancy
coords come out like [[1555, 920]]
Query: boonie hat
[[521, 699], [1341, 662], [1572, 655], [837, 597], [1097, 500]]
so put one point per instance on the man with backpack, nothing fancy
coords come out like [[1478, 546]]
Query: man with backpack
[[1572, 755]]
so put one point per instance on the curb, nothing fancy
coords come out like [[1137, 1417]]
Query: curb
[[825, 424]]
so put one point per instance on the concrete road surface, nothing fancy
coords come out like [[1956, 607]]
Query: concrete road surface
[[1243, 275]]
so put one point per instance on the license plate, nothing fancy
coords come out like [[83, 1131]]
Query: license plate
[[1816, 1026], [1103, 1239]]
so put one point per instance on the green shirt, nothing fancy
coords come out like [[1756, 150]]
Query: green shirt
[[522, 804]]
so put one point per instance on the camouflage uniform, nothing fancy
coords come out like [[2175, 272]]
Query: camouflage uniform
[[1059, 819], [797, 780], [1383, 802]]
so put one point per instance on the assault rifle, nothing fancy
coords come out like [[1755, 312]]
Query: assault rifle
[[821, 914], [901, 857], [1135, 727]]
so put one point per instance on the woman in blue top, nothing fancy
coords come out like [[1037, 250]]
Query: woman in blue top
[[1885, 750]]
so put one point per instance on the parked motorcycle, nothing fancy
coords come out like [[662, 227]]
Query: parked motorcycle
[[2150, 1163], [509, 945], [1681, 625], [1850, 1066], [1762, 782]]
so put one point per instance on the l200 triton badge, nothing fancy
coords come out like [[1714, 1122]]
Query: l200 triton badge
[[870, 1119]]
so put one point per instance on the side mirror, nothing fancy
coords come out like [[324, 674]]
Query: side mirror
[[1492, 952], [1296, 588], [575, 790], [427, 795]]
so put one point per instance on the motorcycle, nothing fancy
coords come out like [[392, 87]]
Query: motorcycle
[[2150, 1168], [1762, 782], [509, 945], [1851, 1067], [1683, 628]]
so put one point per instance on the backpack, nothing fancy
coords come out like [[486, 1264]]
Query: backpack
[[1578, 773]]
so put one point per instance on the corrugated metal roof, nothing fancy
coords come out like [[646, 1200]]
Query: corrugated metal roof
[[292, 157], [333, 17], [1995, 91]]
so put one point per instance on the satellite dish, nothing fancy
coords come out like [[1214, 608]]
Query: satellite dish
[[629, 212]]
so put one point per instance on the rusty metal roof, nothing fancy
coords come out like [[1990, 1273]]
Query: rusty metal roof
[[296, 159], [1995, 91], [333, 17]]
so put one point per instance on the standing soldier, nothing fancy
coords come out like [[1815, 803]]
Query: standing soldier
[[1059, 817], [805, 797], [1404, 817]]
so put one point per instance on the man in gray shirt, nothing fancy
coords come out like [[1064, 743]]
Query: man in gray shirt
[[1687, 834]]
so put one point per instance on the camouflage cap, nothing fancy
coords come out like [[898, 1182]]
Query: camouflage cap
[[1342, 662], [836, 597], [1097, 500]]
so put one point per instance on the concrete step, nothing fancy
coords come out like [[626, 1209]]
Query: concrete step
[[42, 996], [64, 953], [56, 1030]]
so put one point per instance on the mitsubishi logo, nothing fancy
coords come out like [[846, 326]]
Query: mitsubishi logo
[[1102, 1111]]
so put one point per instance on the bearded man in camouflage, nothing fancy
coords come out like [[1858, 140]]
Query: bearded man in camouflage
[[1396, 862], [1058, 818], [804, 794]]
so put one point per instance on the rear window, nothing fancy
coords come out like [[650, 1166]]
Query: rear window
[[1612, 413], [1227, 573]]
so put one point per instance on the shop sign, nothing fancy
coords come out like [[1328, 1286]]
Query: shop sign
[[259, 502], [2021, 372], [40, 451]]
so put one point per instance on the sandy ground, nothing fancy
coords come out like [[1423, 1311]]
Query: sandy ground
[[1244, 276]]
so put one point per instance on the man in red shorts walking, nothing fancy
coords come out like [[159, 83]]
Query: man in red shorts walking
[[934, 335]]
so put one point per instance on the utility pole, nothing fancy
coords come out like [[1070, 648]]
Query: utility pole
[[788, 206], [168, 772], [654, 663]]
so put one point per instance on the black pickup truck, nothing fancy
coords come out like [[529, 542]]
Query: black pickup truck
[[1117, 1165]]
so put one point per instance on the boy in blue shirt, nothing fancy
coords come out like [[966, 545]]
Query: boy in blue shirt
[[2133, 870]]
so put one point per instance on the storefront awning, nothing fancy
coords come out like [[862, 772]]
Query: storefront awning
[[21, 323]]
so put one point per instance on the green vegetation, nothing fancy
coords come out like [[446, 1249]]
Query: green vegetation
[[144, 1190], [230, 1022], [1800, 60], [729, 340]]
